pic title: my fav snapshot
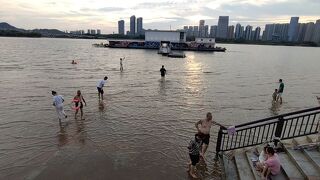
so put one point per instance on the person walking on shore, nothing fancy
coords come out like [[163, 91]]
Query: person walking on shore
[[100, 86], [163, 71], [280, 91], [78, 99], [58, 104]]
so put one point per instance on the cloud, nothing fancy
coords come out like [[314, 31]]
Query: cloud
[[159, 14], [104, 9]]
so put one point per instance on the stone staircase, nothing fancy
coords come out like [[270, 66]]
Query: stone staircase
[[296, 163]]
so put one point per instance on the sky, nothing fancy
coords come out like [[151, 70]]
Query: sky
[[160, 14]]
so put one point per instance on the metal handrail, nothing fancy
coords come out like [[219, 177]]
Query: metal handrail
[[284, 126]]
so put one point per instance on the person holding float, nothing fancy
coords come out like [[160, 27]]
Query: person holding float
[[78, 100]]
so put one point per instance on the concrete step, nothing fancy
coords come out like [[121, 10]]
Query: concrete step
[[312, 153], [243, 167], [289, 167], [250, 156], [308, 169], [313, 156], [230, 169]]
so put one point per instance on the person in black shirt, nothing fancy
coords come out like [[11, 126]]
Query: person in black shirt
[[163, 71]]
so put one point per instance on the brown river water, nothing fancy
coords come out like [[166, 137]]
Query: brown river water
[[147, 121]]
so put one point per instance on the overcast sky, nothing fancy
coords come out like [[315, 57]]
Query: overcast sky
[[160, 14]]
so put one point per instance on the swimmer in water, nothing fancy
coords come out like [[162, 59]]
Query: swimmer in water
[[73, 62], [78, 99]]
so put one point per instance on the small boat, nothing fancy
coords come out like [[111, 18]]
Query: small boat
[[177, 55], [164, 48], [99, 45], [220, 49]]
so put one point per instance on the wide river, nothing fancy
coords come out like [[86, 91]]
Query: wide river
[[147, 122]]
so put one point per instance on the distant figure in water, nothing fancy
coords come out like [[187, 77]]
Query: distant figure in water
[[73, 62], [58, 104], [100, 86], [121, 66], [274, 95], [194, 154], [78, 104], [163, 71], [280, 91]]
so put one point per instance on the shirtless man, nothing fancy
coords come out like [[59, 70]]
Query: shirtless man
[[203, 127]]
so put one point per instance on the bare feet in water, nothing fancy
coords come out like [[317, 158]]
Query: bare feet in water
[[193, 175]]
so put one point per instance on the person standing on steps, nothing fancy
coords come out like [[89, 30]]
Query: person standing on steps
[[58, 104], [163, 71], [280, 91], [203, 127], [100, 87]]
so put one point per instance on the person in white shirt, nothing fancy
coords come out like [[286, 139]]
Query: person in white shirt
[[58, 104], [100, 86]]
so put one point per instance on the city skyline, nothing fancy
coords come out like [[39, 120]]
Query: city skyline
[[72, 15]]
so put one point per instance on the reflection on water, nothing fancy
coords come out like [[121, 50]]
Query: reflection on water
[[144, 123], [62, 136]]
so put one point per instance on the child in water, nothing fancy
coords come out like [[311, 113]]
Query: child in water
[[274, 95], [78, 104], [194, 154]]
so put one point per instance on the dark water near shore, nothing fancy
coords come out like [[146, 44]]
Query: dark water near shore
[[147, 121]]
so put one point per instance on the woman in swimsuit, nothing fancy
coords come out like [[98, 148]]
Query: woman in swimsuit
[[78, 99]]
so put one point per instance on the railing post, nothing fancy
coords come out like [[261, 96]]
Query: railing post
[[219, 139], [278, 132]]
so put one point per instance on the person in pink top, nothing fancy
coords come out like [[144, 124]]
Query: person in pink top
[[272, 164]]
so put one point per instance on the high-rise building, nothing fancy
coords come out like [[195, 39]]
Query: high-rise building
[[301, 31], [257, 34], [92, 31], [190, 31], [248, 32], [201, 28], [231, 32], [98, 31], [88, 32], [223, 24], [213, 31], [201, 23], [121, 27], [309, 32], [293, 28], [133, 25], [206, 31], [196, 31], [237, 33], [316, 32], [185, 28], [268, 31], [139, 26]]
